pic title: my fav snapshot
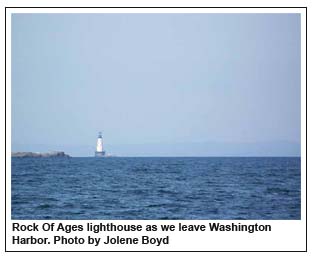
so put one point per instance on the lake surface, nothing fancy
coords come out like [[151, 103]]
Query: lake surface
[[156, 188]]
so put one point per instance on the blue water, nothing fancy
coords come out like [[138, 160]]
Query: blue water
[[156, 188]]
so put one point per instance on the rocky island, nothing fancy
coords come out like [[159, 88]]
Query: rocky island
[[32, 155]]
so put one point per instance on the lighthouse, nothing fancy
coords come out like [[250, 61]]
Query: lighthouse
[[99, 146]]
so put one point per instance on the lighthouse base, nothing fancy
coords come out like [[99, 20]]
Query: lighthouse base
[[99, 154]]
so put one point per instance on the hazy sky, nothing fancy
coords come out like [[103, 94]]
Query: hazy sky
[[155, 78]]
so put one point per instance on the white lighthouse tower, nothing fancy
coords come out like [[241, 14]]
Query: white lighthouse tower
[[99, 147]]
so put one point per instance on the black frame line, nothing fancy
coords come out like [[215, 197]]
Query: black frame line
[[184, 7]]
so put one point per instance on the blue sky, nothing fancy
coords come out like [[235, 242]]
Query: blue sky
[[153, 79]]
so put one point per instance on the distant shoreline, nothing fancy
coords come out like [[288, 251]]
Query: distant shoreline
[[35, 155], [164, 157]]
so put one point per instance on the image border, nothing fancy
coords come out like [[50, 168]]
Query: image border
[[184, 7]]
